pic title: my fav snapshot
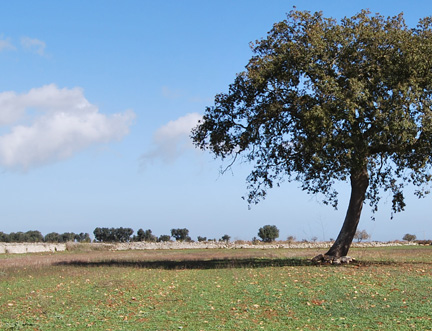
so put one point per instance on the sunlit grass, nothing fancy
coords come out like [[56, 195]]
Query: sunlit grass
[[372, 295]]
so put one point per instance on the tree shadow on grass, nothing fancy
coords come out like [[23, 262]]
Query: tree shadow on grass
[[192, 264], [224, 263]]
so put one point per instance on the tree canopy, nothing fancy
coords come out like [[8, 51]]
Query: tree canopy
[[321, 101], [180, 234], [268, 233]]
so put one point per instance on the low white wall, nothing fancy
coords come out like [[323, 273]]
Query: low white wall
[[20, 248], [211, 244]]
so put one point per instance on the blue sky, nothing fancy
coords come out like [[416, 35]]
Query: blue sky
[[96, 102]]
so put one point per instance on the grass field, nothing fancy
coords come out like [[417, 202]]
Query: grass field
[[388, 289]]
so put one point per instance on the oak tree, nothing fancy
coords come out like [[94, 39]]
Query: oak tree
[[268, 233], [323, 101], [409, 237], [180, 234]]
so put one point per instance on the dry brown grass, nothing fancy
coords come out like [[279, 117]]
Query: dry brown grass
[[34, 260]]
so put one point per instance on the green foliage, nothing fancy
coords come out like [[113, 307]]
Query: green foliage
[[145, 236], [67, 236], [4, 237], [19, 237], [225, 238], [321, 101], [180, 234], [164, 238], [82, 237], [52, 237], [409, 237], [201, 239], [268, 233], [113, 234]]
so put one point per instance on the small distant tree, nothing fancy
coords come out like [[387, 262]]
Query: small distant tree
[[4, 237], [409, 237], [268, 233], [82, 237], [52, 237], [225, 238], [201, 239], [113, 234], [314, 239], [164, 238], [100, 234], [17, 237], [33, 236], [145, 236], [67, 236], [291, 239], [361, 235], [180, 234], [123, 234]]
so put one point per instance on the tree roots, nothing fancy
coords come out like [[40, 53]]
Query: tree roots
[[328, 259]]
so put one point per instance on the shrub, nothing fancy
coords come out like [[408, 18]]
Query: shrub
[[424, 242], [291, 239]]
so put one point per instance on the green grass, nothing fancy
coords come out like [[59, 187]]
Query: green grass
[[389, 290]]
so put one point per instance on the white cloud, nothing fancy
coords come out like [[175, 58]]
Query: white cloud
[[35, 45], [6, 45], [48, 124], [172, 139]]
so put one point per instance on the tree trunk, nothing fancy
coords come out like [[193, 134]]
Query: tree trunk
[[359, 185]]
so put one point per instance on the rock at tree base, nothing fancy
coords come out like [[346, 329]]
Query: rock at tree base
[[328, 259]]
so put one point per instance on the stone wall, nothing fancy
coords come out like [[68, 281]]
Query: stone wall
[[20, 248]]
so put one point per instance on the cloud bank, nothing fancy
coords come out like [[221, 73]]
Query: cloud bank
[[49, 124], [172, 140]]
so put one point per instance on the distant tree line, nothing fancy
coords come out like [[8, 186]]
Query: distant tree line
[[267, 234], [36, 236], [103, 234]]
